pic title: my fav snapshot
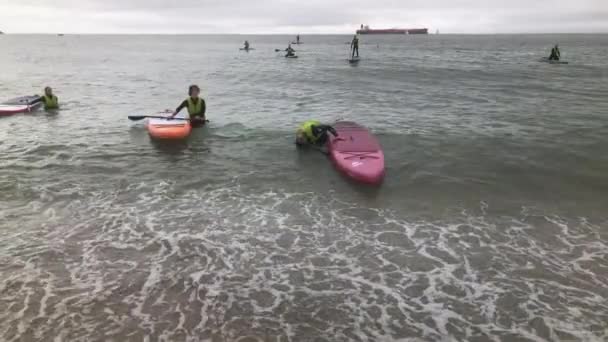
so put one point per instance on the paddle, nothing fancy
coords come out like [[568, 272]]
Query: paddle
[[141, 117], [351, 54]]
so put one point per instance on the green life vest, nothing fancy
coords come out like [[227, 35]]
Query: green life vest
[[50, 102], [195, 108], [307, 129]]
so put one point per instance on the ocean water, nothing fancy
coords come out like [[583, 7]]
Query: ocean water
[[491, 225]]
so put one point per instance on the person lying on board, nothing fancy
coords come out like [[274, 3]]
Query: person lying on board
[[313, 133], [195, 105], [49, 99]]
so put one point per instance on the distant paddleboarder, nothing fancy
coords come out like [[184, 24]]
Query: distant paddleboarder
[[354, 46], [555, 53], [290, 51]]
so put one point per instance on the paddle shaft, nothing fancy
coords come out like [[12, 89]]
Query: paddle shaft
[[141, 117]]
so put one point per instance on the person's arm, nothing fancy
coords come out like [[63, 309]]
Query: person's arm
[[180, 107], [38, 99], [332, 131], [323, 129]]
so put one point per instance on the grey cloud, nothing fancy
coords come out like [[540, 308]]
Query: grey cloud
[[475, 16]]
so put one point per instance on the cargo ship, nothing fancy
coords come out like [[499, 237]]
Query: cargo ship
[[367, 30]]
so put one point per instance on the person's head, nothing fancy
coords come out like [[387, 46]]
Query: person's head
[[556, 46], [194, 90], [48, 91], [300, 137]]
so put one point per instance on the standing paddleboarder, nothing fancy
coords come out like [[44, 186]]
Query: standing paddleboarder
[[354, 46]]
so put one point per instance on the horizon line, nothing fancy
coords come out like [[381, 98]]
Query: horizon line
[[288, 34]]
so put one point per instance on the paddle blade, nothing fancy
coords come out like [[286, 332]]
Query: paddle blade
[[137, 117]]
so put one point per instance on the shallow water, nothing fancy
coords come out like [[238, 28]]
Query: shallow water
[[491, 224]]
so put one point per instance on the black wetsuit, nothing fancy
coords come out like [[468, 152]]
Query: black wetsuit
[[39, 99], [355, 46], [555, 54]]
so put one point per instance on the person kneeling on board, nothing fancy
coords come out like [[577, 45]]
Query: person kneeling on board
[[195, 105], [290, 51], [246, 45], [555, 53], [48, 99], [313, 133]]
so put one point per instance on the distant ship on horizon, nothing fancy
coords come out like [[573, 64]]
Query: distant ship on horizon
[[365, 29]]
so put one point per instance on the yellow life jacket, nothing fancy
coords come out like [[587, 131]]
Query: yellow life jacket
[[50, 102], [195, 108], [307, 129]]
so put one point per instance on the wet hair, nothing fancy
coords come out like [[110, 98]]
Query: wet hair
[[47, 88], [191, 88]]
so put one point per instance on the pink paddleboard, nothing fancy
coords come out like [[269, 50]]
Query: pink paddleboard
[[356, 153], [19, 105], [13, 109]]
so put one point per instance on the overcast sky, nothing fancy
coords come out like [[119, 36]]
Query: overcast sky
[[301, 16]]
